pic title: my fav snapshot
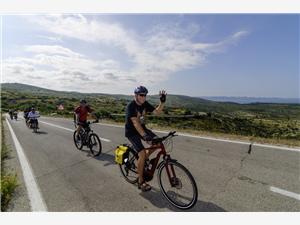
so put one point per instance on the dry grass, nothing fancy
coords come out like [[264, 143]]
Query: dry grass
[[8, 180]]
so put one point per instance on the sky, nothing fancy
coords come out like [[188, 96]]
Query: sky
[[254, 55]]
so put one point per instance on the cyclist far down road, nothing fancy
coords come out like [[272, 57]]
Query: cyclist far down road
[[32, 119], [25, 114], [136, 131], [80, 115]]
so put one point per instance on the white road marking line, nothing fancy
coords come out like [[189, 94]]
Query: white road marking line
[[278, 147], [242, 142], [53, 125], [217, 139], [111, 125], [36, 200], [286, 193], [214, 139], [64, 128]]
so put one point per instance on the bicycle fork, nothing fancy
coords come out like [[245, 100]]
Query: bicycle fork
[[174, 181]]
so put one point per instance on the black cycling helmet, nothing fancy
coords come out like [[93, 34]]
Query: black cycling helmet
[[140, 90], [83, 101]]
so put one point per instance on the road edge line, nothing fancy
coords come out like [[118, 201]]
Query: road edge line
[[37, 202]]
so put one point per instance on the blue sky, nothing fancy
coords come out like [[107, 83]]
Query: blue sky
[[252, 55]]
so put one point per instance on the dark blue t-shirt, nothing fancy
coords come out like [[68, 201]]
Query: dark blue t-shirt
[[139, 111]]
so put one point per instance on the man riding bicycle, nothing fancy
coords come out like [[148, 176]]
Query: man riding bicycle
[[32, 117], [81, 113], [136, 131]]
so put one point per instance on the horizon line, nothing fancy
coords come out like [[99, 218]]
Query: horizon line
[[200, 96]]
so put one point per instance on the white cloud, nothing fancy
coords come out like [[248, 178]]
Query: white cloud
[[60, 67], [50, 38], [51, 50], [155, 55]]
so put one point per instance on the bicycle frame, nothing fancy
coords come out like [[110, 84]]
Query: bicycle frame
[[166, 158], [86, 131]]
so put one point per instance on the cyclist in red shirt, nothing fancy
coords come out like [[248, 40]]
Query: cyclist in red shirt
[[81, 113]]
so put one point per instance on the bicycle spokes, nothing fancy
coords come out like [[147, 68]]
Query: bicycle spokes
[[95, 144], [129, 168], [177, 185], [176, 182]]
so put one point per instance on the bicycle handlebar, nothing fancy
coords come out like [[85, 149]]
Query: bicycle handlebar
[[161, 139], [95, 121], [88, 122]]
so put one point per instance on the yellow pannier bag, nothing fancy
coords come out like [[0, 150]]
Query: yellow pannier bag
[[121, 154]]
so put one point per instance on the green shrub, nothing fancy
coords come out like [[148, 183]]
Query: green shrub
[[8, 186]]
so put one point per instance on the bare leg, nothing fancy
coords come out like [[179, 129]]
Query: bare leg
[[78, 130], [140, 165], [150, 151]]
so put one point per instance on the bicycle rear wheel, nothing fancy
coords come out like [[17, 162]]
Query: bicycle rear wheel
[[95, 144], [177, 185], [78, 142], [129, 168]]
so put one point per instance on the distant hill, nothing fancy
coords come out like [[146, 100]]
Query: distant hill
[[25, 88], [267, 120], [174, 100], [248, 100], [185, 104]]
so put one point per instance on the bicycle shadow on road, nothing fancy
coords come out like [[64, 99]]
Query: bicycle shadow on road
[[104, 156], [157, 199], [41, 132]]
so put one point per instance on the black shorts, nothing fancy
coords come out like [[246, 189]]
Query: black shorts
[[33, 120], [82, 123], [136, 140]]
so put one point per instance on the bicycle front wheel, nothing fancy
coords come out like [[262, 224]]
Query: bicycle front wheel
[[78, 141], [177, 185], [95, 144], [129, 168], [34, 127]]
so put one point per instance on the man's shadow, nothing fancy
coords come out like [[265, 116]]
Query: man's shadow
[[157, 199]]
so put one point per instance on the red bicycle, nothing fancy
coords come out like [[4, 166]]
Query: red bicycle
[[175, 181]]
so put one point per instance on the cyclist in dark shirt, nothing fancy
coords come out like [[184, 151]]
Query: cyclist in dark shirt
[[10, 112], [135, 128], [26, 111]]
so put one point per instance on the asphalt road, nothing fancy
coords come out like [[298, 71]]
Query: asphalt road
[[227, 176]]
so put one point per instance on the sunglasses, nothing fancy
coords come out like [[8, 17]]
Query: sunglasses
[[142, 95]]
